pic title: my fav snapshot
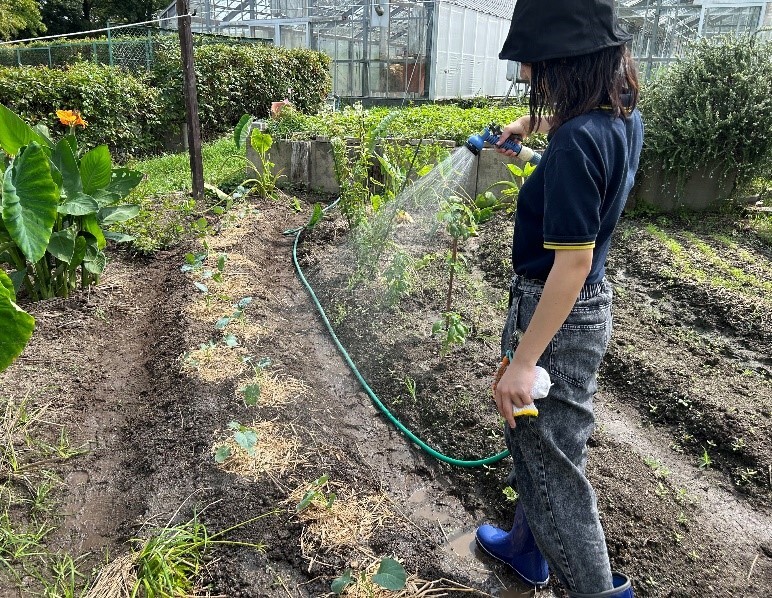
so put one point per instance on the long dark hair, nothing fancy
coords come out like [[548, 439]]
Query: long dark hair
[[567, 87]]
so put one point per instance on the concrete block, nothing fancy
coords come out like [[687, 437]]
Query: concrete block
[[704, 190]]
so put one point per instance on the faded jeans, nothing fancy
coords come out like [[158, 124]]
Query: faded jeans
[[550, 451]]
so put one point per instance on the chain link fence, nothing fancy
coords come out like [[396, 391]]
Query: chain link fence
[[133, 48]]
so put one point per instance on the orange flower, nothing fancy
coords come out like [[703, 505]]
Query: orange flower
[[70, 118]]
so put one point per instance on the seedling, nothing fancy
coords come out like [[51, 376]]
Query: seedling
[[391, 576], [510, 494], [455, 331], [316, 491], [244, 436], [411, 387], [705, 460]]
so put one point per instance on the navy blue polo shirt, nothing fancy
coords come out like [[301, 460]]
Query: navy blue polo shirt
[[575, 196]]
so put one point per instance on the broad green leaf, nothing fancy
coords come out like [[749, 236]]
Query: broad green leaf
[[67, 165], [222, 454], [231, 340], [7, 286], [113, 214], [244, 302], [79, 253], [221, 263], [105, 198], [123, 180], [15, 133], [242, 130], [118, 237], [251, 394], [341, 583], [42, 130], [62, 244], [17, 277], [90, 225], [391, 575], [306, 500], [262, 142], [96, 169], [246, 439], [95, 260], [16, 325], [79, 205], [316, 216], [29, 201], [222, 322], [201, 287]]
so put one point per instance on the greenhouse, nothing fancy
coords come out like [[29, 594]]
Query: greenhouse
[[439, 49]]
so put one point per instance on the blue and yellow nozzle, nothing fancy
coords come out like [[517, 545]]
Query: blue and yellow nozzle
[[491, 134]]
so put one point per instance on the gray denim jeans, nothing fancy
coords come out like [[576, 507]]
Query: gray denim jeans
[[550, 451]]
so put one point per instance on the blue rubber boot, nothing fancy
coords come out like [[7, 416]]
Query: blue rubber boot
[[517, 548], [622, 589]]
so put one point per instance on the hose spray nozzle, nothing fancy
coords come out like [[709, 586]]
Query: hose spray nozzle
[[491, 134]]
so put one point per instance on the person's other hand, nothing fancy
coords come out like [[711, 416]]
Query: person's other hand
[[514, 390]]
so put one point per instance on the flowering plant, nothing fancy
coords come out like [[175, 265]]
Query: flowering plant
[[54, 205]]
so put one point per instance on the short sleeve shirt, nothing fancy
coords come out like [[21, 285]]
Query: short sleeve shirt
[[574, 198]]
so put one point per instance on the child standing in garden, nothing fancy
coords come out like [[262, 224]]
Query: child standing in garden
[[583, 95]]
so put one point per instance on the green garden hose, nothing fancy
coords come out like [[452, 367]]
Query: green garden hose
[[400, 426]]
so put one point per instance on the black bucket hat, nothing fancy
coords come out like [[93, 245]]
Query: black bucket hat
[[547, 29]]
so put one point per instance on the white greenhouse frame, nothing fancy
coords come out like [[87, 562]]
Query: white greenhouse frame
[[437, 49]]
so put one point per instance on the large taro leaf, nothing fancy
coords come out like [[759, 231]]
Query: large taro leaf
[[91, 226], [16, 325], [96, 169], [15, 133], [95, 260], [62, 244], [114, 214], [64, 159], [123, 181], [241, 131], [78, 253], [79, 205], [30, 198]]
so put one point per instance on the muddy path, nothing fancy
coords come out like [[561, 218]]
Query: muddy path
[[141, 376]]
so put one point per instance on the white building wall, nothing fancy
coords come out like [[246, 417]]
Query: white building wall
[[466, 45]]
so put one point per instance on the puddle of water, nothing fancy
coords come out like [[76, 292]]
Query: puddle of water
[[462, 544]]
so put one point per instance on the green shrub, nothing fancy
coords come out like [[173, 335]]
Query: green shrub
[[233, 80], [122, 109], [428, 121], [711, 108]]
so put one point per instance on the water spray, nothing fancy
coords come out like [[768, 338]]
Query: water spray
[[491, 134]]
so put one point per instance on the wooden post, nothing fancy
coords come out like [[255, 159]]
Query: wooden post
[[191, 98]]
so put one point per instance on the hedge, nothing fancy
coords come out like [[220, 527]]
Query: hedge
[[234, 80], [133, 113], [121, 110]]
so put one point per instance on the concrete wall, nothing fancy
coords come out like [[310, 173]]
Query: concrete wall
[[703, 191]]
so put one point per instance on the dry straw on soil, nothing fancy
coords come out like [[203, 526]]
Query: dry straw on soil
[[274, 389], [346, 523], [234, 232], [115, 580], [274, 455], [215, 363]]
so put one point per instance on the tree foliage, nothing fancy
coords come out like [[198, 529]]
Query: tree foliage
[[18, 16]]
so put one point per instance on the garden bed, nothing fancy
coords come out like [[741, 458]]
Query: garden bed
[[138, 374]]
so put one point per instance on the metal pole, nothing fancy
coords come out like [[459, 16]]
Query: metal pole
[[191, 99], [109, 45]]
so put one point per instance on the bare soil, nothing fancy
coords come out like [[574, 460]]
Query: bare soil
[[122, 367]]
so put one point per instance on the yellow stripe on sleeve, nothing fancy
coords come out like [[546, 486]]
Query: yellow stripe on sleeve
[[588, 245]]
